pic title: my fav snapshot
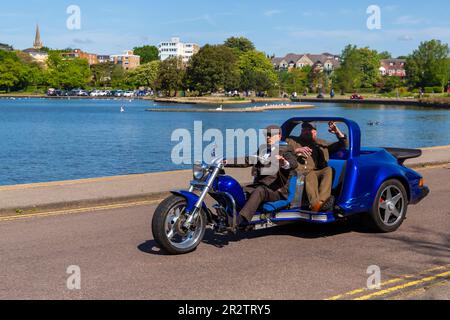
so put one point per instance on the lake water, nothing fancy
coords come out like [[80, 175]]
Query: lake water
[[51, 140]]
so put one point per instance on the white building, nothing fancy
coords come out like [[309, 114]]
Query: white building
[[175, 48]]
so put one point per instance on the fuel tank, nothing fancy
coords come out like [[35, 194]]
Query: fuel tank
[[230, 185]]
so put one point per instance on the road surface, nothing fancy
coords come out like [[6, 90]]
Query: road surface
[[118, 259]]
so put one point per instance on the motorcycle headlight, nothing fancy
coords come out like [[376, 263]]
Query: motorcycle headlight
[[199, 171]]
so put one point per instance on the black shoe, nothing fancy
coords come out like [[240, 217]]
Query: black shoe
[[242, 223], [328, 205]]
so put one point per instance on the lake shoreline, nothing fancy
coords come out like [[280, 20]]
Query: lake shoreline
[[426, 103], [432, 103], [230, 110]]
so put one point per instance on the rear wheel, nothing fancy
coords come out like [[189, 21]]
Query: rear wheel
[[168, 227], [390, 207]]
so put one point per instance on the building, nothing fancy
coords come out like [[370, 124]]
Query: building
[[128, 60], [6, 47], [393, 67], [36, 52], [77, 53], [176, 48], [38, 45], [103, 58], [325, 61]]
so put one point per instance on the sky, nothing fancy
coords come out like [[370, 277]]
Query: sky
[[276, 27]]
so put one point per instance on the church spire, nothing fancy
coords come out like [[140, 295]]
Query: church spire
[[37, 41]]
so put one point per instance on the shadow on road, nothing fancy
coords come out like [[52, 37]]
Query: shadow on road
[[298, 230], [151, 247], [418, 240]]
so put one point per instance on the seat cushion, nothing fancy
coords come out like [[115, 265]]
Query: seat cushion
[[282, 204], [276, 206]]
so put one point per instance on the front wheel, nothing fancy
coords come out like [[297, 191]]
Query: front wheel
[[389, 209], [168, 227]]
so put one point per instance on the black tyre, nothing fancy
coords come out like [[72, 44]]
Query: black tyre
[[168, 231], [389, 209]]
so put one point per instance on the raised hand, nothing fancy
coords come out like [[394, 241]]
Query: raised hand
[[333, 129]]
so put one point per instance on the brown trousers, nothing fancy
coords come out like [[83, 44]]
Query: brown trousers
[[318, 185], [258, 195]]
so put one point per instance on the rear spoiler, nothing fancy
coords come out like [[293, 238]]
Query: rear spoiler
[[404, 154]]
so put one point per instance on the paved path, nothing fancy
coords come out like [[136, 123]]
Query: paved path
[[101, 191], [118, 259]]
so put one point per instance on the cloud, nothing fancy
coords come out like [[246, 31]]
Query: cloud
[[209, 20], [405, 37], [344, 11], [271, 13], [83, 41], [204, 18], [368, 37], [409, 20], [390, 8]]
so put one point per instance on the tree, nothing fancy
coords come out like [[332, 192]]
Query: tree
[[67, 73], [359, 69], [256, 69], [370, 67], [147, 53], [295, 80], [213, 69], [318, 80], [385, 55], [240, 44], [10, 71], [118, 77], [170, 75], [102, 74], [144, 76], [16, 73], [390, 83], [429, 65]]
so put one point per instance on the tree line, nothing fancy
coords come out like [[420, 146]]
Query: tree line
[[234, 65]]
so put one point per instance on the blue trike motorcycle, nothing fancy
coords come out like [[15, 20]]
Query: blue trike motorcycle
[[373, 182]]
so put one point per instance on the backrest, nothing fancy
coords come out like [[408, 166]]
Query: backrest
[[292, 188], [339, 167]]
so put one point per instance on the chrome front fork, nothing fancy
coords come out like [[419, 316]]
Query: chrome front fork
[[198, 206]]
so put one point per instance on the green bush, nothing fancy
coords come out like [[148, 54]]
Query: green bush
[[434, 89], [273, 93], [403, 91], [367, 90]]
